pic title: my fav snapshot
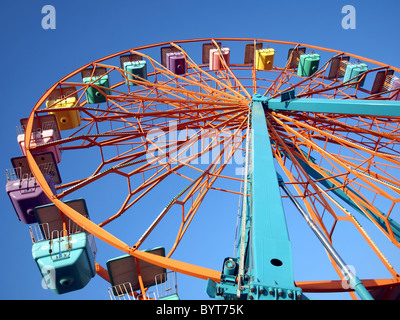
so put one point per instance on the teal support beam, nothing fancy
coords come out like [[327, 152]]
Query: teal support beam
[[271, 269], [263, 268], [342, 106], [340, 192], [354, 281]]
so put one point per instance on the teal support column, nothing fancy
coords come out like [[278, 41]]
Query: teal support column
[[354, 281], [271, 269], [342, 106], [263, 268]]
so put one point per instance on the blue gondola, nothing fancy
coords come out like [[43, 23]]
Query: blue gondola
[[137, 70], [355, 71], [66, 263]]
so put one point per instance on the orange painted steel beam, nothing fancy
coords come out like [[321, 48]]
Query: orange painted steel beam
[[385, 156], [362, 232], [351, 195], [162, 69], [102, 272], [125, 136], [150, 183], [204, 188], [317, 219], [340, 141], [91, 227], [389, 267], [207, 75]]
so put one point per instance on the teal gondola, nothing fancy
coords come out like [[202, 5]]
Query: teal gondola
[[65, 258], [66, 263]]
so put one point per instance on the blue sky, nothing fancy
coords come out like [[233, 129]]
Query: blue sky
[[33, 59]]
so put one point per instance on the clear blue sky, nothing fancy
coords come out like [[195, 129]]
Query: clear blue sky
[[34, 58]]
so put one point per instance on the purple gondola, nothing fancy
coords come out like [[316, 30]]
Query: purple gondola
[[24, 191], [176, 62], [25, 195]]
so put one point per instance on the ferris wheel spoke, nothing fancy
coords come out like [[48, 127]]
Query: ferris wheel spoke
[[174, 156], [331, 185], [348, 193], [158, 219], [221, 116], [280, 80], [366, 129], [300, 178], [226, 68], [211, 175], [283, 78], [344, 186], [306, 87], [381, 142], [213, 171], [296, 182], [316, 205], [173, 96], [350, 165], [340, 141], [174, 86], [226, 74], [225, 89]]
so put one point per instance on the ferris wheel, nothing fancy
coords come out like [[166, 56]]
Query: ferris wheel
[[181, 141]]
